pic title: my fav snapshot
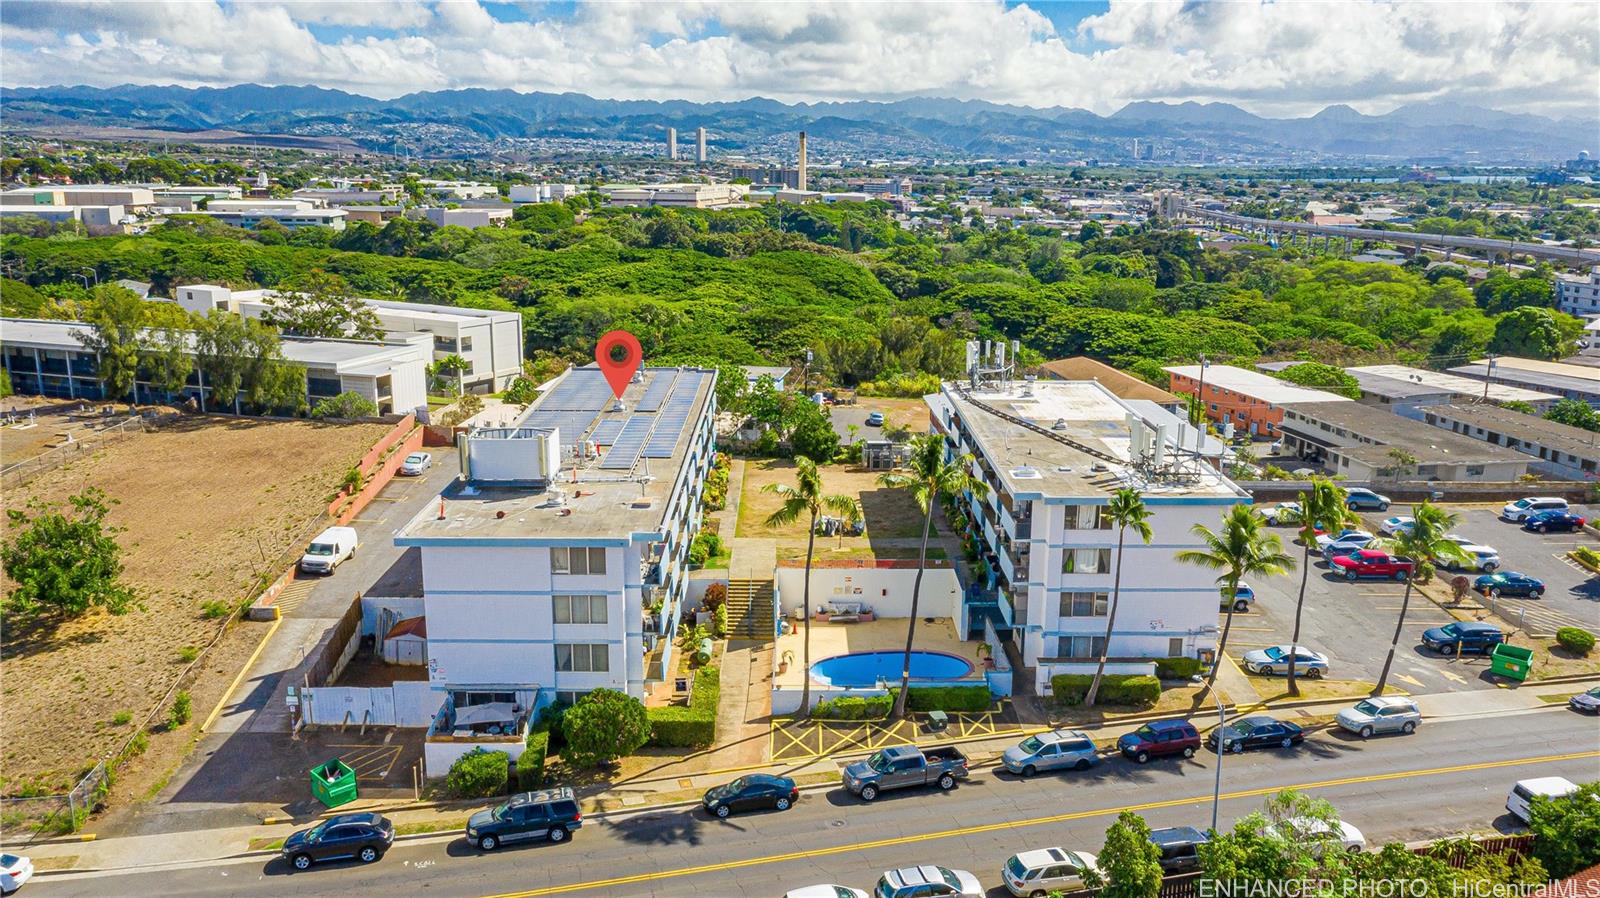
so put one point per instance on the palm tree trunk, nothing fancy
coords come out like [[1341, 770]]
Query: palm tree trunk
[[1305, 572], [1405, 604], [805, 606], [1111, 620], [1222, 644], [901, 700]]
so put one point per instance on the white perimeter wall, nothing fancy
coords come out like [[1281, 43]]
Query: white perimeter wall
[[887, 591], [403, 704]]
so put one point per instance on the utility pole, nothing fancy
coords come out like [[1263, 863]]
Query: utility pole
[[1488, 377], [1200, 427]]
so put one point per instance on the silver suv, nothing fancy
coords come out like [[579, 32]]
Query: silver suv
[[1054, 750], [1385, 714]]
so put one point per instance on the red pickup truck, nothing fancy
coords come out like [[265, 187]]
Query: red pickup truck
[[1372, 563]]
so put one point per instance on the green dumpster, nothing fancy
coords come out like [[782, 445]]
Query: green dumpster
[[333, 783], [1511, 661]]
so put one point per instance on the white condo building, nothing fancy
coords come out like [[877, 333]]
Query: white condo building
[[557, 564], [1053, 453], [1579, 296]]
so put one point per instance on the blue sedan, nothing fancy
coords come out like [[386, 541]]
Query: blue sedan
[[1546, 521], [1509, 583]]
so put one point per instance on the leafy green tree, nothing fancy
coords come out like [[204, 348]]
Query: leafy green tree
[[1574, 413], [1241, 548], [604, 725], [346, 405], [1130, 864], [1566, 831], [1323, 377], [1127, 510], [930, 478], [115, 316], [166, 358], [1292, 838], [543, 217], [443, 368], [806, 499], [1502, 293], [1324, 506], [242, 359], [811, 434], [65, 562], [1425, 544], [1536, 333], [320, 304]]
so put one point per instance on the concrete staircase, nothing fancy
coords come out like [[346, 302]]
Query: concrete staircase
[[750, 609]]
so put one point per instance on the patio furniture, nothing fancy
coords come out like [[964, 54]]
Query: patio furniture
[[938, 721], [844, 613], [333, 783]]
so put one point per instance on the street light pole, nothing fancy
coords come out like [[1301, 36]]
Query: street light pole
[[1216, 791], [1200, 426], [1488, 377]]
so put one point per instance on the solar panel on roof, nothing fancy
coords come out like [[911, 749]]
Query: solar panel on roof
[[581, 390], [572, 424], [674, 416], [605, 433], [625, 451], [657, 391]]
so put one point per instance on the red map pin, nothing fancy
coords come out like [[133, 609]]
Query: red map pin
[[618, 371]]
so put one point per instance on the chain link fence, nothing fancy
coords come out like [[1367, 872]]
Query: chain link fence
[[80, 441]]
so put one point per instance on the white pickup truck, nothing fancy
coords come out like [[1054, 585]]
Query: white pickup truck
[[331, 547]]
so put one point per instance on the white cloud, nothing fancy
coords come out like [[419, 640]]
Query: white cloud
[[1273, 58]]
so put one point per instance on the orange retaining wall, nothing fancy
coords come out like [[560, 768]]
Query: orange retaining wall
[[389, 439], [378, 479]]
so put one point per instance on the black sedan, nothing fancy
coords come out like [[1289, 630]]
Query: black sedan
[[753, 792], [1258, 731], [1555, 519], [362, 837], [1509, 583]]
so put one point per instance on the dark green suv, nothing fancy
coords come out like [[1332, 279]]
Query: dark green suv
[[550, 814]]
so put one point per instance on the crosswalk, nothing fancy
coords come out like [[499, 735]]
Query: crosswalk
[[294, 592], [1536, 619]]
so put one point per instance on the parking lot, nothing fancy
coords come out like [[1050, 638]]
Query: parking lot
[[1352, 622]]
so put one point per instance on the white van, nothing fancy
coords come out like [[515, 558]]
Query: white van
[[1521, 509], [331, 547], [1522, 793]]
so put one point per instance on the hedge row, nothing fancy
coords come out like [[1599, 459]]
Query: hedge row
[[694, 726], [1177, 668], [530, 765], [851, 707], [1115, 689], [478, 774]]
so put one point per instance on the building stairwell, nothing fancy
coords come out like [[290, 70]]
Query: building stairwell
[[750, 612]]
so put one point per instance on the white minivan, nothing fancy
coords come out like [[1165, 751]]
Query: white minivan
[[1522, 508], [1521, 797], [331, 547]]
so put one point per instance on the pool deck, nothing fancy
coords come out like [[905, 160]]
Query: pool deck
[[888, 635]]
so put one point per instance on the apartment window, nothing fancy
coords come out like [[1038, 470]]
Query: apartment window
[[1085, 604], [1086, 561], [583, 658], [1083, 646], [466, 344], [579, 609], [1175, 647], [569, 697], [444, 344], [467, 699], [1474, 470], [573, 560]]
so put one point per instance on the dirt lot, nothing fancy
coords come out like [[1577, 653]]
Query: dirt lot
[[52, 419], [206, 503], [890, 514]]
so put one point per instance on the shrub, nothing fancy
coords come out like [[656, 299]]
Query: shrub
[[182, 709], [530, 764], [478, 774], [1177, 668], [720, 616], [122, 718], [694, 726], [188, 653], [550, 718], [1575, 640], [1587, 555], [716, 595], [214, 609], [604, 725], [348, 404], [851, 707], [1115, 689], [947, 698]]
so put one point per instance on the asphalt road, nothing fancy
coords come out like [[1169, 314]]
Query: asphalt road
[[1449, 777]]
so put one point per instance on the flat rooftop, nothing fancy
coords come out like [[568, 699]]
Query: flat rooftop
[[1254, 384], [308, 351], [1121, 383], [1367, 434], [1401, 381], [1554, 376], [1529, 428], [1083, 451], [593, 498]]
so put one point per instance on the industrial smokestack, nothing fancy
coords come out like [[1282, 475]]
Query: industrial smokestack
[[700, 145], [801, 180], [672, 143]]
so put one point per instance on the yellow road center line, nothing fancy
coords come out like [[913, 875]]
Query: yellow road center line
[[1036, 821]]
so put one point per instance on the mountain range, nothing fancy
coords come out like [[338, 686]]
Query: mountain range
[[475, 120]]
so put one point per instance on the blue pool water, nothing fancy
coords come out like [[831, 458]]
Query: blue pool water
[[866, 668]]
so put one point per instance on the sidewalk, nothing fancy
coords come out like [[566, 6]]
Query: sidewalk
[[667, 789]]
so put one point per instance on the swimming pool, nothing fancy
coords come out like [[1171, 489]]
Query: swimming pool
[[862, 669]]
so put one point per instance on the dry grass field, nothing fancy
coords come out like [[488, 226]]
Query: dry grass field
[[209, 506], [890, 514]]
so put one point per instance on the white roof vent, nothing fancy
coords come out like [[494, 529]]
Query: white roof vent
[[1061, 424], [1025, 473]]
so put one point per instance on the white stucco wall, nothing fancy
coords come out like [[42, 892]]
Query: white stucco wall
[[888, 591]]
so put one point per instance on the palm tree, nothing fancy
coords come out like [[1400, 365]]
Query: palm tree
[[1241, 548], [930, 477], [1424, 544], [806, 499], [1127, 510], [1324, 506]]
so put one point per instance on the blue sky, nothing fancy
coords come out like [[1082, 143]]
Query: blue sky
[[1272, 58]]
